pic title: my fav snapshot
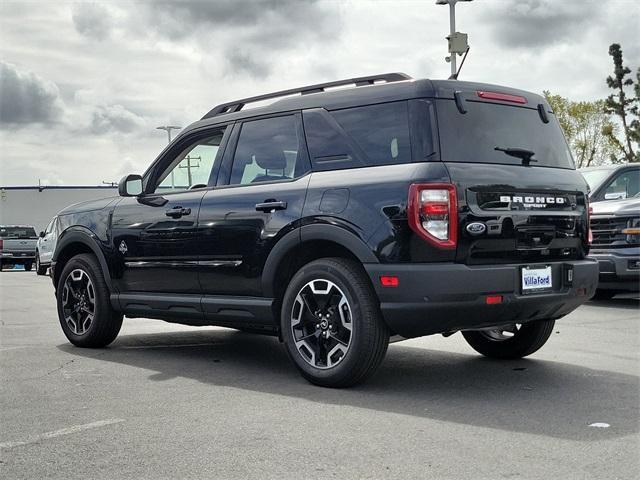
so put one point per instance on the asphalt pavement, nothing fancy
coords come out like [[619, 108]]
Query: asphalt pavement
[[168, 401]]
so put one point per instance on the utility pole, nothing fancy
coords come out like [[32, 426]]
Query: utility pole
[[168, 128], [458, 44], [189, 166]]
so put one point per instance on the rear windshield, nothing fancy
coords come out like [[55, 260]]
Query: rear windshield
[[475, 135], [595, 177], [17, 232]]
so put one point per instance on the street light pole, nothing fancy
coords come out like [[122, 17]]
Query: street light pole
[[168, 128], [452, 30], [457, 41]]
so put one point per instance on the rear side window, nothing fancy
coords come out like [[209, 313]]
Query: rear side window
[[357, 137], [475, 135], [268, 150]]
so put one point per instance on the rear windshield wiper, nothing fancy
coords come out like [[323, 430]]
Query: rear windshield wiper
[[521, 153]]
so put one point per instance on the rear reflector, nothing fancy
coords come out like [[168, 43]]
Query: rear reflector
[[503, 97], [389, 281], [494, 299]]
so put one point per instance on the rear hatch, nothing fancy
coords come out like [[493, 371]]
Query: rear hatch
[[17, 239], [520, 200]]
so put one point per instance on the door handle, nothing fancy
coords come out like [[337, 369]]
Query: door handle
[[177, 212], [271, 206]]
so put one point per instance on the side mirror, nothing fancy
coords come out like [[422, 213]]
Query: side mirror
[[130, 186], [615, 195], [41, 234]]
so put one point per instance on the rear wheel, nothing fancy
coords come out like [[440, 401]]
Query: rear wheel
[[84, 308], [331, 323], [514, 341]]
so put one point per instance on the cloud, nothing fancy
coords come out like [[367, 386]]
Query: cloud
[[243, 62], [92, 20], [27, 98], [539, 23], [115, 118], [248, 33]]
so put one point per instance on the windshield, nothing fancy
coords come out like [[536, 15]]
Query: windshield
[[17, 232], [495, 133], [595, 177]]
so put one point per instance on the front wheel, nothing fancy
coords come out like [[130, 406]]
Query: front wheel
[[84, 308], [40, 269], [331, 323], [514, 341], [28, 266]]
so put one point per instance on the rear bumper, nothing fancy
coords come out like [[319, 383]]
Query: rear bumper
[[17, 257], [445, 297], [617, 268]]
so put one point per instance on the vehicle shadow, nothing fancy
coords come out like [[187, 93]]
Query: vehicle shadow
[[625, 303], [527, 396]]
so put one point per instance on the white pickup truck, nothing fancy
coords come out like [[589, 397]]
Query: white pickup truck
[[17, 246]]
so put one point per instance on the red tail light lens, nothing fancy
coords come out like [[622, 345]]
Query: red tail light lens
[[1, 243], [433, 213], [589, 213]]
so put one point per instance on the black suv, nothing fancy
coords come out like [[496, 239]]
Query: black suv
[[340, 218]]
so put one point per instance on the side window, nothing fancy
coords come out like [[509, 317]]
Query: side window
[[268, 150], [361, 136], [192, 167], [625, 185], [49, 228]]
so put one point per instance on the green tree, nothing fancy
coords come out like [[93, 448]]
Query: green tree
[[584, 125], [624, 106]]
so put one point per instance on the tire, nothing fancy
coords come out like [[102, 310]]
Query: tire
[[358, 336], [28, 266], [604, 294], [40, 269], [525, 340], [103, 327]]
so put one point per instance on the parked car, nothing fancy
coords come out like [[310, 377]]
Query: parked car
[[612, 182], [45, 247], [615, 225], [17, 246], [338, 218]]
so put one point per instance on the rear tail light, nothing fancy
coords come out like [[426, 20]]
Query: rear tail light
[[433, 213], [589, 213], [1, 244]]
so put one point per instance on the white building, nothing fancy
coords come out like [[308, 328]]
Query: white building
[[38, 205]]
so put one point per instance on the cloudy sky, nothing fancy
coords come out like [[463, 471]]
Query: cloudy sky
[[84, 84]]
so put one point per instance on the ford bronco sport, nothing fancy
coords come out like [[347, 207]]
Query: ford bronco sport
[[338, 218]]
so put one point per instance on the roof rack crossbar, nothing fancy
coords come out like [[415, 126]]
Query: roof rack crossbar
[[238, 105]]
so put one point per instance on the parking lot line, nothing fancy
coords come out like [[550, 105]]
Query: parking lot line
[[61, 432]]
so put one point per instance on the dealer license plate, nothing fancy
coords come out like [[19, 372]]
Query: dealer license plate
[[536, 279]]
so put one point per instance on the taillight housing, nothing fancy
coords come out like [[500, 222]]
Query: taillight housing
[[433, 213], [589, 213], [1, 244]]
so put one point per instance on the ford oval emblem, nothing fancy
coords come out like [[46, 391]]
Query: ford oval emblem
[[476, 228]]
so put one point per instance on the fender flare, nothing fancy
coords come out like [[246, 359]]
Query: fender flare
[[89, 239], [307, 233]]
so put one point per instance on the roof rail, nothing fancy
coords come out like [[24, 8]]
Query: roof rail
[[238, 105]]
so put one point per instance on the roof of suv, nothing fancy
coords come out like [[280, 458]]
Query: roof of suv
[[400, 87]]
